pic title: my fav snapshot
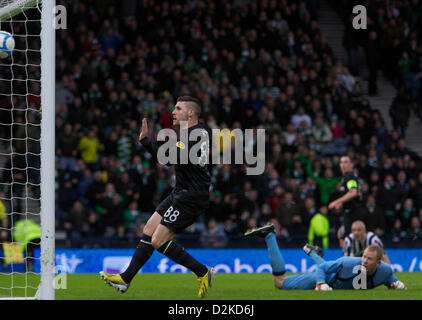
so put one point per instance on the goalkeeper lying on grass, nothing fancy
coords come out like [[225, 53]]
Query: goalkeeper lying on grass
[[343, 273]]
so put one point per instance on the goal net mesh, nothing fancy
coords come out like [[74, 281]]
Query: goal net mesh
[[20, 131]]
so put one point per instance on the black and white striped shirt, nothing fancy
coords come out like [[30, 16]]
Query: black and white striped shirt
[[354, 248]]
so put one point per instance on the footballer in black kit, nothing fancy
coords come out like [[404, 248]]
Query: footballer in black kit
[[350, 201], [190, 197], [353, 209], [188, 200]]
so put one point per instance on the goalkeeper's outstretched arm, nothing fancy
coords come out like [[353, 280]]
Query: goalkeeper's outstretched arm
[[394, 283], [322, 270]]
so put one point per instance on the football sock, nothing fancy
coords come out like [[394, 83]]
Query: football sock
[[276, 258], [142, 253], [179, 255], [316, 258]]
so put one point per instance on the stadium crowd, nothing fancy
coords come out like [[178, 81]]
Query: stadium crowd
[[393, 27], [253, 64]]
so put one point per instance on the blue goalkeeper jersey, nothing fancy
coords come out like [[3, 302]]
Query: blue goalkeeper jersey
[[339, 274]]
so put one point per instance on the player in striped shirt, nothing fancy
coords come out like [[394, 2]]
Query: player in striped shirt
[[359, 239]]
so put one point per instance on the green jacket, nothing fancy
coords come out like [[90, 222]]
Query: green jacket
[[326, 186]]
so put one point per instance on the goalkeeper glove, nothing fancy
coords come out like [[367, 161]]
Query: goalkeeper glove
[[398, 285], [323, 287]]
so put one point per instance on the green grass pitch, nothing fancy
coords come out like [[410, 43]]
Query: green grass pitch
[[184, 287]]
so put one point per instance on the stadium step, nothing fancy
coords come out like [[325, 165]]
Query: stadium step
[[332, 28], [413, 138]]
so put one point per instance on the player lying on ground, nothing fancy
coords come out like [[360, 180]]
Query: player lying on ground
[[329, 275], [180, 209]]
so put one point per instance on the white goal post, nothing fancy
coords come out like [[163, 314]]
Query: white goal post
[[15, 11]]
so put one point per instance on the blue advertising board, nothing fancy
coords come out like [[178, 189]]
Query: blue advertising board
[[224, 260]]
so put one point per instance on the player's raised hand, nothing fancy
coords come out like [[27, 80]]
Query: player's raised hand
[[398, 285], [323, 287], [335, 205], [144, 130]]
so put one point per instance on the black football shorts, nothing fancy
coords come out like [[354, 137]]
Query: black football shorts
[[351, 215], [182, 208]]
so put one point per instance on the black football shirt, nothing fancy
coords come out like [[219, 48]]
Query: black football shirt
[[195, 175], [350, 181]]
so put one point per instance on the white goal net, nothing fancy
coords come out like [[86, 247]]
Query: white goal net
[[21, 147]]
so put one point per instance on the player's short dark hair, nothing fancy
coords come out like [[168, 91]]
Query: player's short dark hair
[[377, 249], [194, 103], [350, 158]]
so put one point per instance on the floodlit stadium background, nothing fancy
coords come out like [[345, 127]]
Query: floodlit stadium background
[[254, 64]]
